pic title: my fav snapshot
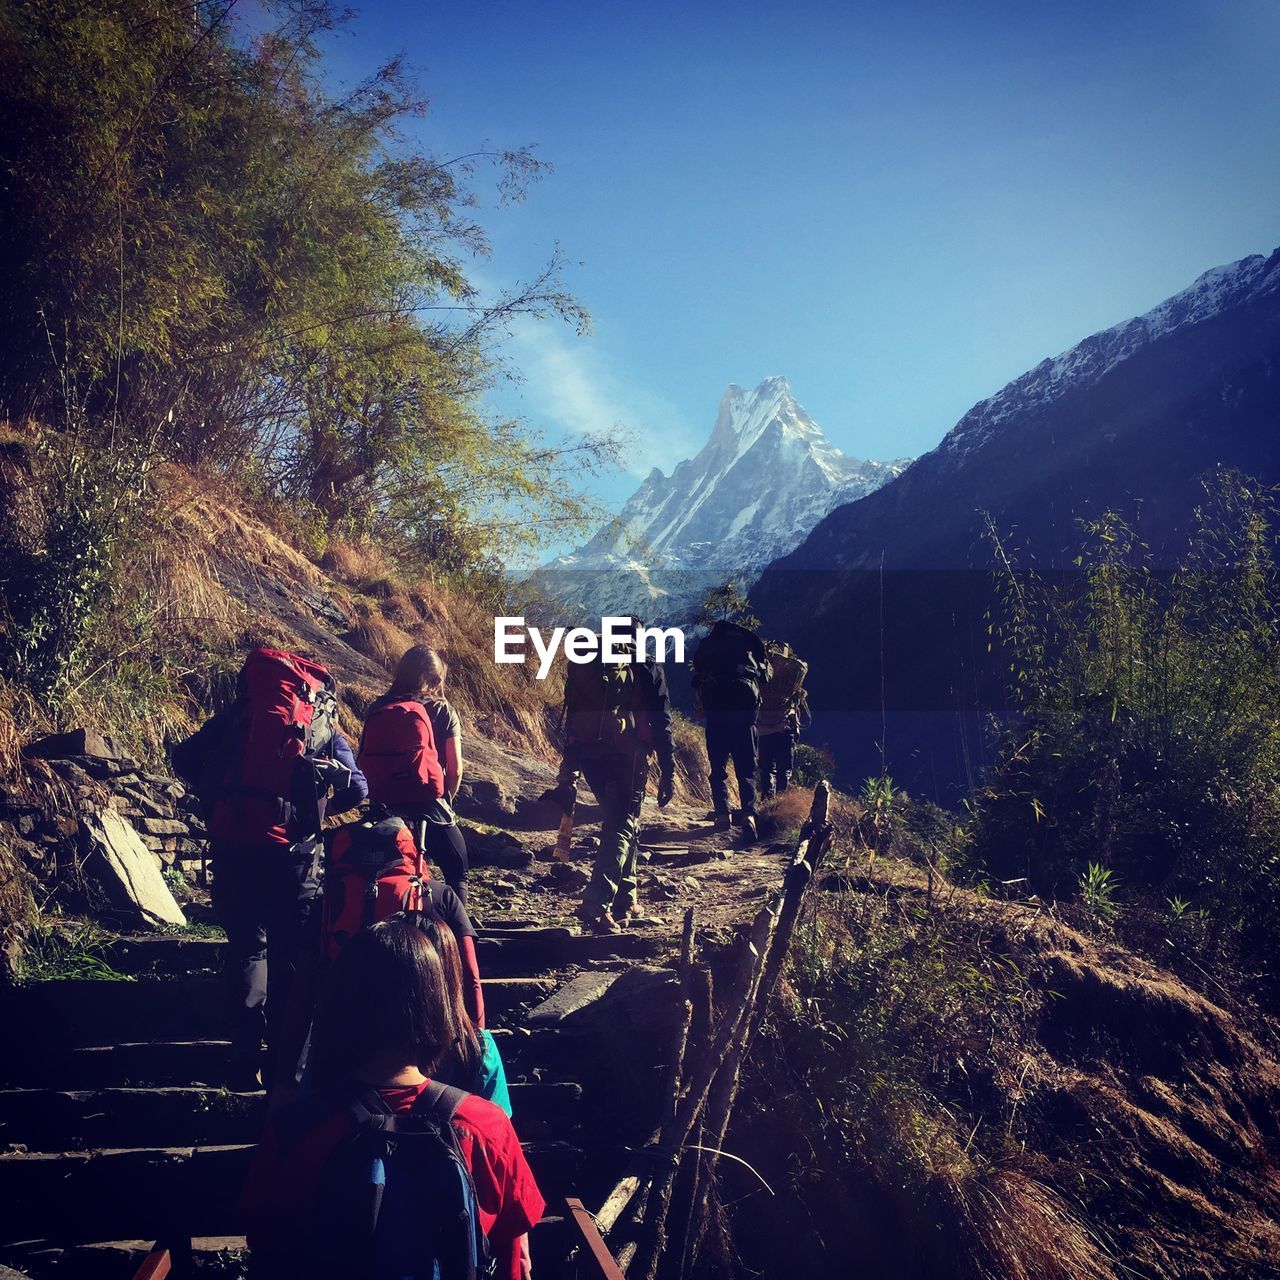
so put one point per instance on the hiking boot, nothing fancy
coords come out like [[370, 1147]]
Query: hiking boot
[[597, 919], [750, 833], [723, 821]]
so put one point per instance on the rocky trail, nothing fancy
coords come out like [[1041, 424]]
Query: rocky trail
[[115, 1131]]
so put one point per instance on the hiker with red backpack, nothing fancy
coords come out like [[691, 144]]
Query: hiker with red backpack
[[411, 752], [380, 1172], [730, 666], [374, 868], [267, 769], [617, 715], [784, 712]]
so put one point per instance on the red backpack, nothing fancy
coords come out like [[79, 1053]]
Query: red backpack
[[373, 870], [266, 788], [398, 755]]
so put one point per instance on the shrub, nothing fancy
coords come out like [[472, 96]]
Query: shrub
[[1149, 744]]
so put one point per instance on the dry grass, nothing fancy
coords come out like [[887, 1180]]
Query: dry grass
[[379, 639], [783, 816], [1018, 1228], [360, 565], [693, 770]]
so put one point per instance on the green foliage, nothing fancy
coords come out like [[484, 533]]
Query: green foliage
[[56, 577], [212, 255], [1097, 892], [726, 603], [55, 951], [1149, 742], [893, 1004], [811, 765]]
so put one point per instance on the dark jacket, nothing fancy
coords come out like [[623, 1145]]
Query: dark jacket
[[730, 666]]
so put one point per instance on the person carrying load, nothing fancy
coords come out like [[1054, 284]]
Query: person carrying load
[[784, 712], [730, 667], [267, 769], [411, 752], [616, 716]]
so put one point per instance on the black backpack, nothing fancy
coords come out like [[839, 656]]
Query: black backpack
[[730, 667], [600, 706], [396, 1200]]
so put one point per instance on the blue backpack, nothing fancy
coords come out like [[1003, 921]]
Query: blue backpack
[[396, 1200]]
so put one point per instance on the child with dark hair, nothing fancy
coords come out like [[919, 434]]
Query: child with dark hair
[[383, 1027]]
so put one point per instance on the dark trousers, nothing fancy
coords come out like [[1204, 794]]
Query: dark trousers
[[264, 898], [731, 735], [777, 755], [444, 844], [618, 781]]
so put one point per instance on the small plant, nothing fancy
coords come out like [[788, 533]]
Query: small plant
[[879, 803], [878, 797], [1184, 920], [1097, 892], [811, 765], [179, 884]]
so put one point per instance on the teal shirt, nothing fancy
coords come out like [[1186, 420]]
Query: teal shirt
[[493, 1076]]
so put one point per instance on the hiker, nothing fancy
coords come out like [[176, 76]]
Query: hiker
[[266, 771], [411, 752], [616, 715], [374, 869], [784, 712], [472, 1062], [730, 667], [379, 1170]]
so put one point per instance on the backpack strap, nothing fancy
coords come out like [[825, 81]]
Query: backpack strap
[[440, 1100]]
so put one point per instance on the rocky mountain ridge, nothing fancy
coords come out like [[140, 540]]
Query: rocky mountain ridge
[[890, 598]]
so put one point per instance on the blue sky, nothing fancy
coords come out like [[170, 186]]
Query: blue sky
[[899, 207]]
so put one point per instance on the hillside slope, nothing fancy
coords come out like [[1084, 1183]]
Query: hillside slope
[[1146, 1105], [1084, 1113]]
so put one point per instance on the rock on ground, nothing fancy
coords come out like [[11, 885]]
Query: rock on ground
[[127, 870]]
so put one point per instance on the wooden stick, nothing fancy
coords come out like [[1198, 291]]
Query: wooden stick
[[605, 1265]]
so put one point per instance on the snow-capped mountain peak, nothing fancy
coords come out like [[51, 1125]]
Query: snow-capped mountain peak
[[765, 477]]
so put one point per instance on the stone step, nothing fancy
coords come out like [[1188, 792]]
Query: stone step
[[146, 1193], [61, 1014], [51, 1120], [175, 1062], [505, 953], [211, 1256]]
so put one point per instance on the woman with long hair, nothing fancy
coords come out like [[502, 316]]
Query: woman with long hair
[[419, 679], [383, 1027]]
